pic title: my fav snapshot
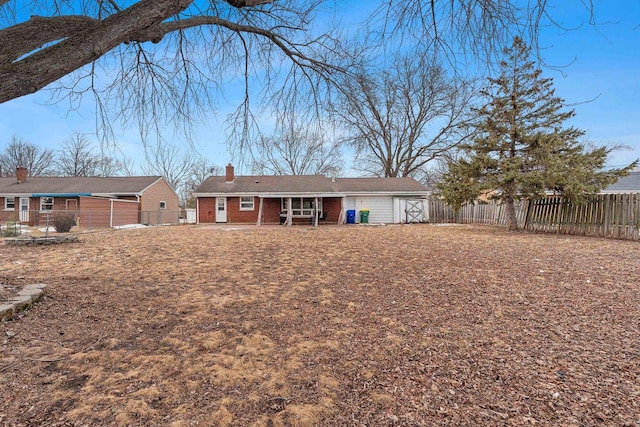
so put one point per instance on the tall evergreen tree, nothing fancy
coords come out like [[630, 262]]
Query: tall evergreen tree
[[522, 148]]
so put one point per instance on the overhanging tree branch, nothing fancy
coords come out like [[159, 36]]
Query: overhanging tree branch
[[27, 36], [51, 63]]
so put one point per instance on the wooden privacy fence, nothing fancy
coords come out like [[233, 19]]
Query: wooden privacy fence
[[488, 213], [603, 215]]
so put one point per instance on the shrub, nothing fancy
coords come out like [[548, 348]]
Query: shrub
[[63, 222], [11, 229]]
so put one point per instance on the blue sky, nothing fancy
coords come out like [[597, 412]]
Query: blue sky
[[600, 76]]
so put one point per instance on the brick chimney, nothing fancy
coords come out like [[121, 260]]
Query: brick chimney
[[229, 173], [21, 174]]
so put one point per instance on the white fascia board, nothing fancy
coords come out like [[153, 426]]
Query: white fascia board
[[124, 201], [15, 194], [411, 194], [276, 195], [114, 195]]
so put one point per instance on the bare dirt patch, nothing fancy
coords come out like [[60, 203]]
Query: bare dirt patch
[[399, 325]]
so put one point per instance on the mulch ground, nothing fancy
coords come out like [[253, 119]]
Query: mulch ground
[[351, 326]]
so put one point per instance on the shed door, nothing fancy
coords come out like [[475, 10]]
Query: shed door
[[221, 209], [380, 209], [414, 211]]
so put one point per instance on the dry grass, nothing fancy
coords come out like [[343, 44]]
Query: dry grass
[[397, 325]]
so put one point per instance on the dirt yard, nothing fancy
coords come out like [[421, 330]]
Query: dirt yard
[[335, 326]]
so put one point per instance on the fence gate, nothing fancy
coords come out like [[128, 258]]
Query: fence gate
[[414, 211]]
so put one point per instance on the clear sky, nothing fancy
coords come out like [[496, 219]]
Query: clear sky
[[600, 75]]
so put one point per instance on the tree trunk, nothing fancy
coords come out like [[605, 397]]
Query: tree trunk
[[49, 64], [510, 211]]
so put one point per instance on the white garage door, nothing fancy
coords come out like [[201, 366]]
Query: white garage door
[[380, 209]]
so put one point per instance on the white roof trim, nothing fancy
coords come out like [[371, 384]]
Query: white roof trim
[[123, 201], [113, 195], [388, 193], [306, 194]]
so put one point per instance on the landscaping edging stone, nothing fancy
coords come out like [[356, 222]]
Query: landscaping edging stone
[[26, 297], [25, 241]]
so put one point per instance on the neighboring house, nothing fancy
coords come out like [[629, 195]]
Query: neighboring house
[[96, 201], [626, 184], [305, 198]]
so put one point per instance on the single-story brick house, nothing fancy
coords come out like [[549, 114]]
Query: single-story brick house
[[96, 201], [308, 199]]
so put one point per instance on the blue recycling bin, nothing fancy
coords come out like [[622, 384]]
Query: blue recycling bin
[[351, 216]]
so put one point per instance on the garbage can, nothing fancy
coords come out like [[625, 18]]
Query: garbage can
[[351, 216], [364, 216]]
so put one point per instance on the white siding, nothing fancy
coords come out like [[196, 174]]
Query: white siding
[[350, 203], [380, 209]]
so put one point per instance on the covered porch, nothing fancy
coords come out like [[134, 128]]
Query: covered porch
[[310, 209]]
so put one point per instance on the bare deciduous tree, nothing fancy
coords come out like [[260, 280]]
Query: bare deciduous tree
[[169, 161], [165, 62], [159, 63], [78, 156], [20, 153], [112, 166], [181, 166], [201, 170], [401, 118], [459, 30], [296, 149]]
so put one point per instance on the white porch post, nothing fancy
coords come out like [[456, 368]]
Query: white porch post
[[289, 213], [260, 212], [342, 212], [315, 212]]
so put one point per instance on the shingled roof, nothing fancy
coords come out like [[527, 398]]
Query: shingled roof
[[121, 185], [626, 184], [309, 184]]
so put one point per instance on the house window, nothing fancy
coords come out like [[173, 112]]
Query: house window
[[163, 205], [9, 203], [246, 203], [46, 203], [302, 206]]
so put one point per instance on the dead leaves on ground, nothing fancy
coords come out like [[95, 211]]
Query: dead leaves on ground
[[399, 325]]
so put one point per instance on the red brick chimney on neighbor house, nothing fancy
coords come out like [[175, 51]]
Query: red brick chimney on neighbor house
[[229, 175], [21, 174]]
